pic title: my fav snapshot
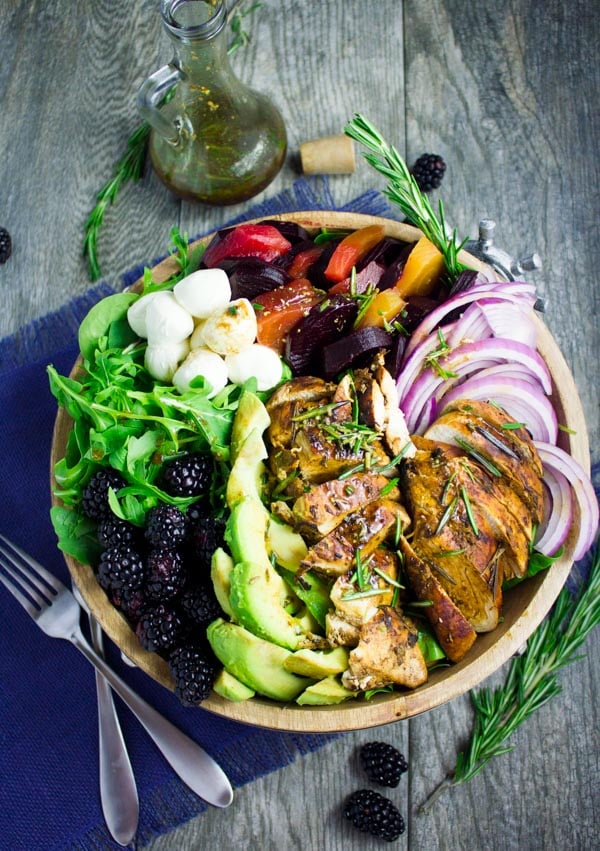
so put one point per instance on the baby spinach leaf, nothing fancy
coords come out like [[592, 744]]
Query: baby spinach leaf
[[76, 534], [97, 322]]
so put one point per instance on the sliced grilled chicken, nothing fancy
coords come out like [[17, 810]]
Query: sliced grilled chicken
[[356, 609], [304, 389], [364, 530], [324, 506], [340, 632], [453, 631], [496, 449], [387, 652], [396, 433]]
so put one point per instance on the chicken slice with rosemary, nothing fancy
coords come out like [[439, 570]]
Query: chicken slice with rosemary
[[387, 653], [364, 531]]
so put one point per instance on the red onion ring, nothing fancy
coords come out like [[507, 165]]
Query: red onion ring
[[556, 460], [554, 531]]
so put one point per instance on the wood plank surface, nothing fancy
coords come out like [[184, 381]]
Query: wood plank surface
[[507, 93]]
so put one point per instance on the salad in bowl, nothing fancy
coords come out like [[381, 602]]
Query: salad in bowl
[[321, 471]]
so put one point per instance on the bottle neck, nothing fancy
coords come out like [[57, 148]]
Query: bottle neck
[[197, 30]]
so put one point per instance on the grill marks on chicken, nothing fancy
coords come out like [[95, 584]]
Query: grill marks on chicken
[[474, 500]]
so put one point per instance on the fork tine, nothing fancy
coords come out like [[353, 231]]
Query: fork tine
[[42, 596], [48, 577], [21, 598]]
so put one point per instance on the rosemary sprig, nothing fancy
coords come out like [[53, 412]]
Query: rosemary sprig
[[403, 190], [531, 680], [131, 164]]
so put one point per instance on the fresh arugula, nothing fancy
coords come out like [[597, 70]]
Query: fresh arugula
[[531, 681]]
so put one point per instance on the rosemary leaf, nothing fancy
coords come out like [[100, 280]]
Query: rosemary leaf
[[403, 190], [531, 681]]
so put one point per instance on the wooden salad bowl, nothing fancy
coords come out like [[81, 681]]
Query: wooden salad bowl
[[524, 606]]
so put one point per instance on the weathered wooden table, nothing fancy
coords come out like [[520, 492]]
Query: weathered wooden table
[[507, 93]]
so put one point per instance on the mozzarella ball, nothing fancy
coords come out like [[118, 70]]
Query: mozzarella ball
[[203, 292], [258, 362], [167, 321], [205, 363], [136, 315], [162, 361], [232, 329], [197, 340]]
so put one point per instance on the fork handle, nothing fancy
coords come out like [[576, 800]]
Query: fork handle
[[118, 792], [190, 762]]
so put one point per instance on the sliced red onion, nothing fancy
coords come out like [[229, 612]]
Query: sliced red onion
[[517, 397], [556, 460], [413, 365], [509, 321], [507, 351], [553, 532], [514, 291], [472, 325]]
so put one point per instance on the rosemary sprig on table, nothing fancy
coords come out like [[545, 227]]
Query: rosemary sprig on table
[[531, 680], [404, 191], [131, 164]]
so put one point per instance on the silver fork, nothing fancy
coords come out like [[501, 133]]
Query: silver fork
[[118, 792], [56, 611]]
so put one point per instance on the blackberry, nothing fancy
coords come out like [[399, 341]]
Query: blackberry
[[5, 245], [165, 526], [120, 570], [166, 574], [371, 813], [160, 629], [204, 534], [113, 531], [131, 603], [94, 498], [189, 475], [382, 763], [194, 672], [200, 605], [428, 171]]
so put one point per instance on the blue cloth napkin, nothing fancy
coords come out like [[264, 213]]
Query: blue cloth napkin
[[49, 797]]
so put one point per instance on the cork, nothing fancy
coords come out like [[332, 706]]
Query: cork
[[329, 155]]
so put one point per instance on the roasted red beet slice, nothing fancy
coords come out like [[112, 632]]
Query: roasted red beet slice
[[370, 275], [393, 358], [262, 241], [323, 324], [416, 309], [290, 230], [394, 270], [250, 277], [356, 348]]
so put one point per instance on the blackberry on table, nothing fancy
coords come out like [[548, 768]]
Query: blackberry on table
[[194, 673], [165, 526], [121, 569], [383, 763], [5, 245], [113, 531], [200, 605], [160, 629], [94, 497], [371, 813], [204, 534], [428, 171], [188, 475], [166, 574]]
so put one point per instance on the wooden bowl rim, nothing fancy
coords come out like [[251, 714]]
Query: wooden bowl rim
[[524, 608]]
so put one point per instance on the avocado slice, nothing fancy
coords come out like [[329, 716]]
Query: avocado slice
[[251, 414], [258, 597], [255, 662], [221, 565], [231, 688], [313, 590], [325, 692], [248, 471], [318, 664], [285, 544], [246, 531]]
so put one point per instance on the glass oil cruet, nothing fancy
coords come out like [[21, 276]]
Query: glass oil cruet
[[213, 139]]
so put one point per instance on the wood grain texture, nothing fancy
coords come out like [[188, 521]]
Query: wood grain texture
[[507, 93]]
